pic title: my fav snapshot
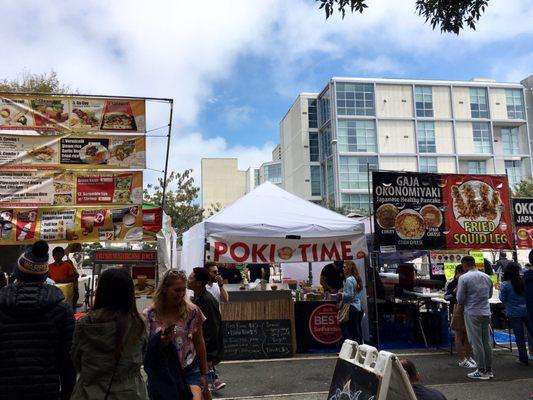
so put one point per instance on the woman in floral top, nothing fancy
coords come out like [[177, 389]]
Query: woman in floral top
[[180, 323]]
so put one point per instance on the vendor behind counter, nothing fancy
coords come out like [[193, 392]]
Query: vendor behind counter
[[332, 277]]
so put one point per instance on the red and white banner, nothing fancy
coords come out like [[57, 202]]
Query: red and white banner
[[275, 250]]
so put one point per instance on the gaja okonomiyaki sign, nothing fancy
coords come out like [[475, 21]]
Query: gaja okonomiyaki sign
[[441, 211], [19, 152], [71, 114]]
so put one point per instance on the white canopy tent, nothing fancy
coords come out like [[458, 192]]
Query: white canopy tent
[[274, 226]]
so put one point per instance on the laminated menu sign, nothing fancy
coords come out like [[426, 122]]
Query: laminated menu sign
[[19, 152], [74, 114], [47, 188], [100, 224], [408, 211], [441, 211], [104, 151], [523, 219]]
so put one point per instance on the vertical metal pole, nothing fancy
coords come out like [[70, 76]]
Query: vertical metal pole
[[511, 213], [372, 261], [166, 158], [310, 266]]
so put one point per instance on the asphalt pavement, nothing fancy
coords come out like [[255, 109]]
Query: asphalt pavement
[[309, 377]]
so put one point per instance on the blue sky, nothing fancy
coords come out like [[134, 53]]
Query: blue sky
[[235, 67]]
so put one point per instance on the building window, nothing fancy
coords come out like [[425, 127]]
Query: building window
[[313, 146], [511, 141], [481, 133], [273, 173], [356, 135], [477, 167], [257, 177], [315, 180], [424, 101], [478, 103], [325, 141], [330, 174], [354, 171], [356, 202], [312, 113], [323, 108], [514, 172], [355, 99], [428, 164], [425, 133], [515, 105]]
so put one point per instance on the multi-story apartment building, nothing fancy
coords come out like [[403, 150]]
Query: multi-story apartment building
[[357, 124]]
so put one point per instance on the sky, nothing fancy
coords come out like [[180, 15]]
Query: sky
[[234, 67]]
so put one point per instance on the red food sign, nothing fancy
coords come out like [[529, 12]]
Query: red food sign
[[323, 324], [477, 212]]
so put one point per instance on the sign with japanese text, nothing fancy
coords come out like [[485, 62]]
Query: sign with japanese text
[[71, 114], [441, 211], [523, 220]]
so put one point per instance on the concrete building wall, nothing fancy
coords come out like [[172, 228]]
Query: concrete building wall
[[442, 106], [396, 136], [461, 97], [394, 101], [294, 146], [222, 181]]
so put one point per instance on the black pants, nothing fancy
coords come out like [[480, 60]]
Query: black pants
[[351, 329]]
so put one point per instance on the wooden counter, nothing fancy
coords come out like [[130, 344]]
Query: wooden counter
[[271, 310]]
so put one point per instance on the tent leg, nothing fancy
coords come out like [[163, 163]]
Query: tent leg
[[310, 267]]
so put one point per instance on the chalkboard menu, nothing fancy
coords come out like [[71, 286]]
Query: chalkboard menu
[[245, 340], [351, 381]]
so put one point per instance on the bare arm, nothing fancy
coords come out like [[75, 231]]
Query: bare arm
[[224, 297], [199, 345]]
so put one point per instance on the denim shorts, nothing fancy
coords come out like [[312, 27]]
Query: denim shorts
[[193, 374]]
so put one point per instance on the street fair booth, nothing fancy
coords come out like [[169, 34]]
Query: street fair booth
[[270, 225], [442, 217]]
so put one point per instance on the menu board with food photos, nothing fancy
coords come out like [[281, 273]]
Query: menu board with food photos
[[523, 220], [72, 114], [440, 211], [63, 224], [54, 188], [18, 152]]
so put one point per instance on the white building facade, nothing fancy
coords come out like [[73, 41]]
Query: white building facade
[[329, 141]]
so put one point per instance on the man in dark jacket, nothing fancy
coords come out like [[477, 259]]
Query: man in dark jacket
[[212, 327], [36, 327]]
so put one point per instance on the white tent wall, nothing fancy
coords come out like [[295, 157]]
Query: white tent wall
[[192, 252]]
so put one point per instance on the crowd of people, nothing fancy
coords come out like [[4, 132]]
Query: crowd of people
[[179, 338], [45, 354], [469, 293]]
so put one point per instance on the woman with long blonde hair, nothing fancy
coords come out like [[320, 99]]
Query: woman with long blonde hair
[[351, 294], [180, 323]]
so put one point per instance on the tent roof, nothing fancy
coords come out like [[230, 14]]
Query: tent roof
[[269, 211]]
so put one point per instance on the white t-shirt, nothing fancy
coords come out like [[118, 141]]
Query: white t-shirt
[[214, 289]]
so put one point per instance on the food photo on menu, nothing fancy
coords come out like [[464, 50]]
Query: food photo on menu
[[438, 211]]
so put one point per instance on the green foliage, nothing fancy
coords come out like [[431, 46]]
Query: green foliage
[[213, 209], [450, 15], [524, 188], [180, 200], [34, 83]]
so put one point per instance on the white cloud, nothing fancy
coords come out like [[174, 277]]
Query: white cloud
[[375, 66], [236, 116]]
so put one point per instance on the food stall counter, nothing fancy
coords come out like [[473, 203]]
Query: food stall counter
[[258, 323]]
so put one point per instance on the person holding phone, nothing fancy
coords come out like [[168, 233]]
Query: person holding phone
[[180, 322]]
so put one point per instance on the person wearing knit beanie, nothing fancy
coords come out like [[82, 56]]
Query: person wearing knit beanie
[[32, 265]]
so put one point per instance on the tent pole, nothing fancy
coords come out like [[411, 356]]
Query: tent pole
[[310, 268]]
